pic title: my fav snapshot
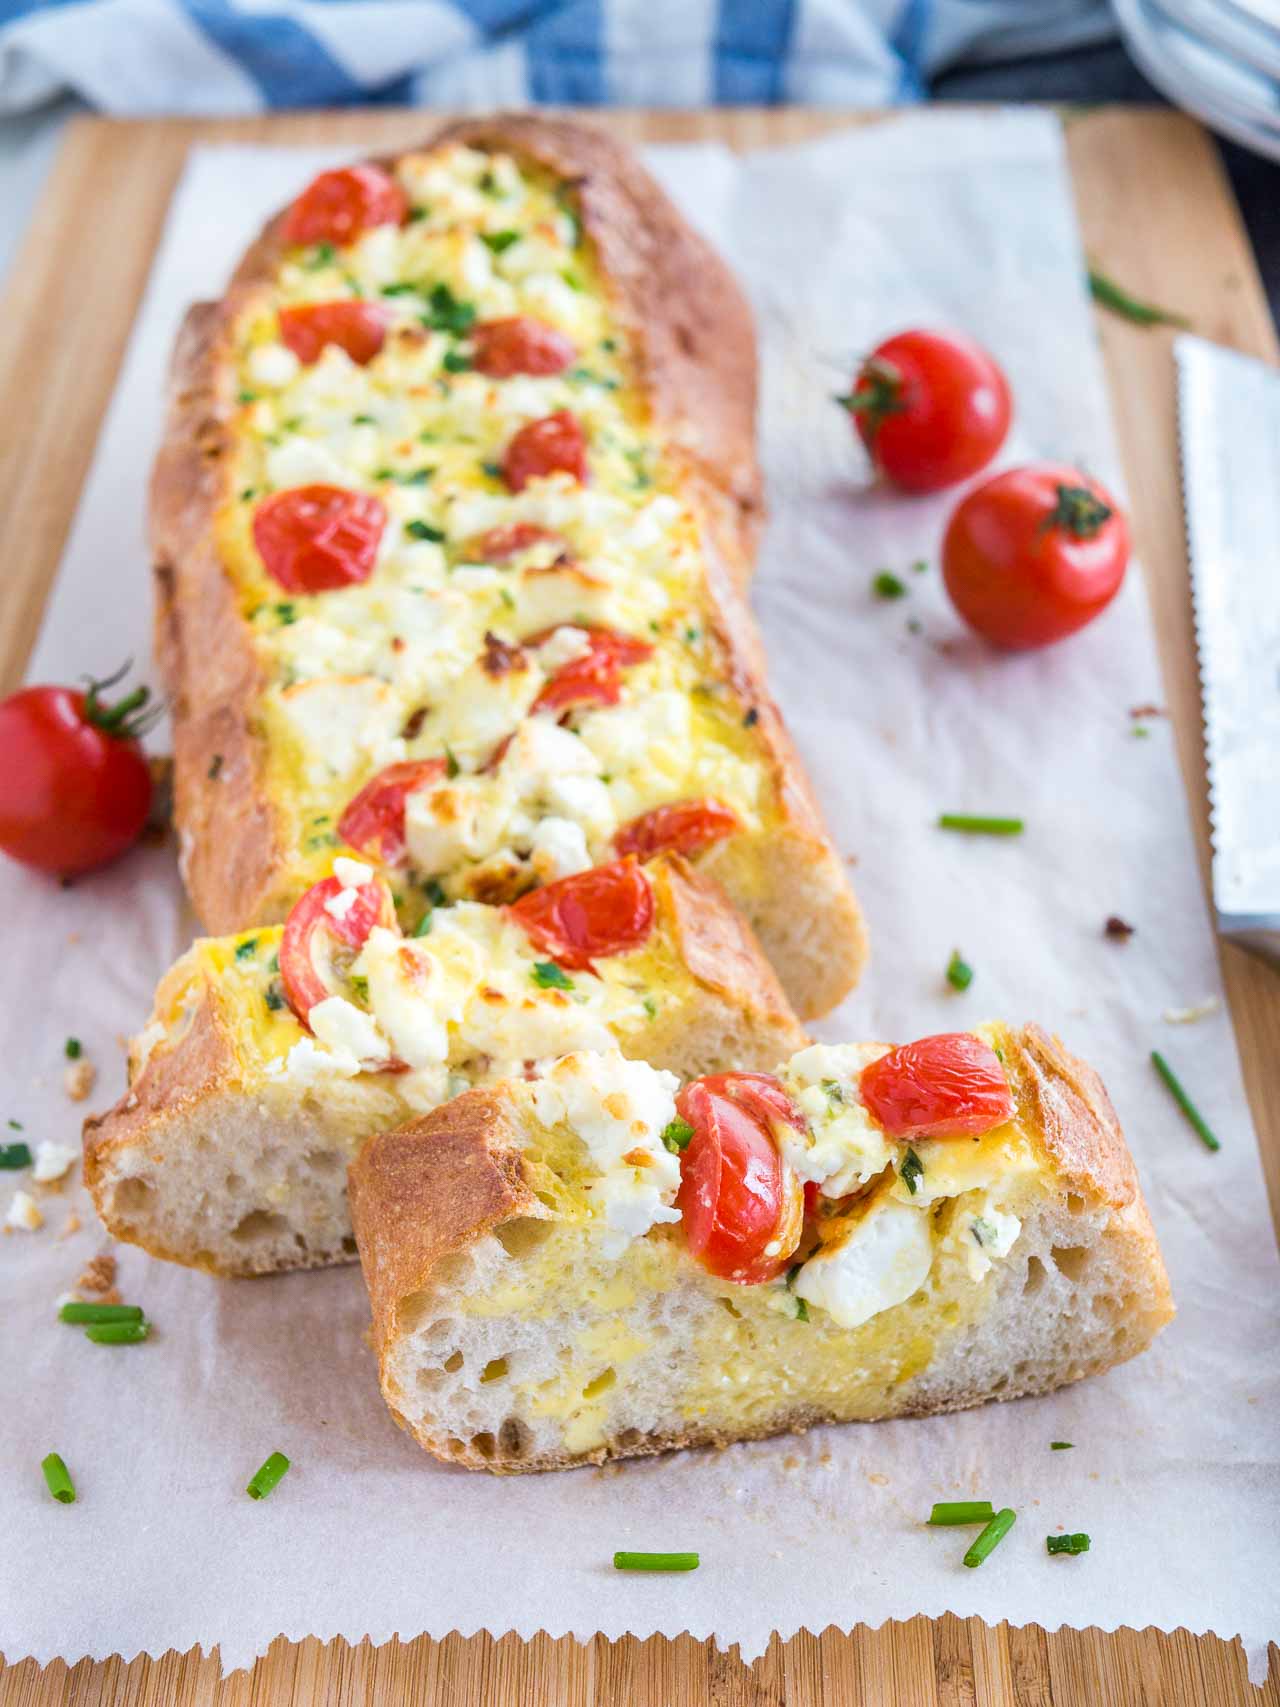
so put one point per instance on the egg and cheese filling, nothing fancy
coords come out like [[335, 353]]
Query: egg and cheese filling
[[443, 651], [469, 1001], [889, 1213]]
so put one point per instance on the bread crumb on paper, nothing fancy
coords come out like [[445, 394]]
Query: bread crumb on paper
[[98, 1275], [1197, 1010], [78, 1079], [72, 1224]]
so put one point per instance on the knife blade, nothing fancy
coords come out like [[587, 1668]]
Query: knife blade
[[1229, 432]]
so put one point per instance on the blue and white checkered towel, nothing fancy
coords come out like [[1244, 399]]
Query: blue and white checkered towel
[[238, 56]]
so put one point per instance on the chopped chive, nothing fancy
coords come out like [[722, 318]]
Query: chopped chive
[[802, 1310], [433, 889], [57, 1478], [118, 1333], [456, 362], [423, 926], [888, 586], [492, 469], [919, 566], [655, 1561], [499, 240], [244, 950], [548, 976], [424, 530], [74, 1311], [1062, 1445], [15, 1155], [1077, 1543], [962, 1511], [979, 826], [991, 1537], [1183, 1101], [1107, 292], [959, 972], [451, 765], [274, 998], [16, 1125], [911, 1172], [676, 1135], [73, 1049], [266, 1476]]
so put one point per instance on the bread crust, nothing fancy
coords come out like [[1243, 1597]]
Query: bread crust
[[408, 1220], [695, 347]]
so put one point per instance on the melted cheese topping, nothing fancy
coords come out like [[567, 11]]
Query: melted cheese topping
[[368, 675]]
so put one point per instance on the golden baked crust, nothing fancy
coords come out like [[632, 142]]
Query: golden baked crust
[[424, 1194], [695, 351]]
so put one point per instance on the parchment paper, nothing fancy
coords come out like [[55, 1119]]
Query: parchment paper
[[936, 218]]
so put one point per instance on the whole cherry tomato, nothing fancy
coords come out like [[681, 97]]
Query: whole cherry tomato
[[589, 916], [1033, 554], [75, 788], [553, 445], [594, 677], [742, 1205], [313, 539], [521, 344], [685, 826], [337, 206], [932, 408], [322, 935], [948, 1086], [360, 328], [373, 822]]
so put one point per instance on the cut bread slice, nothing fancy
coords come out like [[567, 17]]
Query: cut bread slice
[[229, 1151], [536, 1304]]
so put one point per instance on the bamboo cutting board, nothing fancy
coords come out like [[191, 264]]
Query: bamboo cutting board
[[1157, 214]]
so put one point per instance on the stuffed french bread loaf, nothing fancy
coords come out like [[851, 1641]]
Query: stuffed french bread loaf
[[452, 527]]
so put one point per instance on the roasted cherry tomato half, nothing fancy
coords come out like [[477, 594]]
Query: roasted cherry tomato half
[[743, 1207], [594, 677], [554, 445], [337, 206], [1033, 554], [323, 935], [373, 822], [500, 348], [313, 539], [589, 916], [932, 409], [75, 788], [686, 827], [949, 1086], [359, 328], [509, 540]]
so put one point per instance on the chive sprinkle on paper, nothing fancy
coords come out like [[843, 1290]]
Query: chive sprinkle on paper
[[1184, 1102], [1062, 1445], [1078, 1543], [95, 1314], [979, 826], [266, 1476], [959, 972], [991, 1537], [655, 1561], [118, 1333], [961, 1511], [58, 1479]]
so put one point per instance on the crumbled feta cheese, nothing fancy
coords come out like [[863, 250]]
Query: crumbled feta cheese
[[303, 462], [24, 1213], [272, 365], [878, 1257], [52, 1161], [406, 994], [557, 848], [562, 647], [843, 1147], [78, 1079], [351, 873], [986, 1234], [618, 1108], [348, 1032]]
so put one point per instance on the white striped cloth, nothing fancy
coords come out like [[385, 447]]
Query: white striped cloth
[[241, 56]]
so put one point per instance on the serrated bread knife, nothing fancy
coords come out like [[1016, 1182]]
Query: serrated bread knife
[[1229, 427]]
